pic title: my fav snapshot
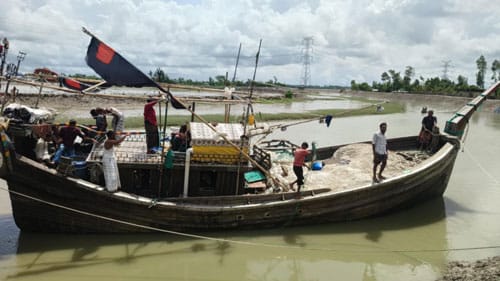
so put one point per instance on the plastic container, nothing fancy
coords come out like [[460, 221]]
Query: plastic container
[[316, 166], [80, 169]]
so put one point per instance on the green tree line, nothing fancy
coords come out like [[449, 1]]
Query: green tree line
[[218, 81], [394, 81]]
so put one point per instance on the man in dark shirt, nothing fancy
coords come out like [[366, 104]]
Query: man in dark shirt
[[428, 124], [67, 136], [100, 119], [429, 121]]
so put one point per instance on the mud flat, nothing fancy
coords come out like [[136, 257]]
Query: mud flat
[[480, 270]]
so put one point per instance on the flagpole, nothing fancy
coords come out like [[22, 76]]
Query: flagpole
[[178, 104]]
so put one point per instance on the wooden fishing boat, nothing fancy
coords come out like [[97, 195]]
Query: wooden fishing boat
[[209, 196], [224, 181]]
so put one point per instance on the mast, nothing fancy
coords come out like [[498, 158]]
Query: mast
[[246, 120], [228, 106]]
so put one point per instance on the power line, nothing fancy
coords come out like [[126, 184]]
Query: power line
[[446, 65]]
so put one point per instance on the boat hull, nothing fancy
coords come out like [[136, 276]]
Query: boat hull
[[45, 201]]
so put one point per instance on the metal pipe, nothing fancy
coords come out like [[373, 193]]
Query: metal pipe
[[189, 151]]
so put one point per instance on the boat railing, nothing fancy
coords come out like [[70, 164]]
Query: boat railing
[[262, 157]]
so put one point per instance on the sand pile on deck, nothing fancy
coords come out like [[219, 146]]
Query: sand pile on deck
[[350, 166]]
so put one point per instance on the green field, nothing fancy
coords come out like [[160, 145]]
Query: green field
[[176, 120]]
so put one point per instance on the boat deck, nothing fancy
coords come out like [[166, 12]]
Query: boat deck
[[349, 167], [132, 150]]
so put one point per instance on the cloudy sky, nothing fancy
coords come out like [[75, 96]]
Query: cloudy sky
[[198, 39]]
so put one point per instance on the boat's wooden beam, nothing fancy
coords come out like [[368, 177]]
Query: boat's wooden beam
[[456, 125], [85, 93]]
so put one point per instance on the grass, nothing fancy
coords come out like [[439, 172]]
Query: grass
[[177, 120]]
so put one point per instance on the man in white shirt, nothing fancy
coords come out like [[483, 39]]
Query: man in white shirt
[[117, 122], [379, 144]]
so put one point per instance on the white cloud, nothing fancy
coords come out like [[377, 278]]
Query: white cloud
[[198, 39]]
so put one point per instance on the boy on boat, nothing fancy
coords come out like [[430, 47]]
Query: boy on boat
[[109, 165], [299, 161]]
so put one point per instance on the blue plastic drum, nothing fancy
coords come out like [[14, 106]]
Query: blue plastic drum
[[316, 166], [81, 170]]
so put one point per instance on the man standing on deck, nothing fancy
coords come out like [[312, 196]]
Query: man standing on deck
[[379, 145], [151, 125], [299, 161], [118, 121], [101, 123]]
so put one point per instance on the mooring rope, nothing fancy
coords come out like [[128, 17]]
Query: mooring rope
[[481, 167], [246, 243], [478, 164]]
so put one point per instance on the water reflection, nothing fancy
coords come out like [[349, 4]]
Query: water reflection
[[359, 250]]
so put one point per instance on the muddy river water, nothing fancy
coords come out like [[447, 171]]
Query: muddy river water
[[413, 244]]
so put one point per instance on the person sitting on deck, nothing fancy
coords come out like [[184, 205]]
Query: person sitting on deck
[[299, 161], [67, 136], [180, 140], [109, 165], [429, 123]]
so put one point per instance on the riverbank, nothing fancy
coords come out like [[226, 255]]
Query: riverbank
[[480, 270], [78, 106]]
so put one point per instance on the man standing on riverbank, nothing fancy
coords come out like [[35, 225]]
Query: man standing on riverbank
[[379, 144]]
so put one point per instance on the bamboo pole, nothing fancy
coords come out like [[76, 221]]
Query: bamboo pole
[[39, 94], [160, 180], [246, 123], [93, 87], [5, 97]]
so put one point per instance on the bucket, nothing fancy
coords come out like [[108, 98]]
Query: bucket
[[316, 166], [81, 170]]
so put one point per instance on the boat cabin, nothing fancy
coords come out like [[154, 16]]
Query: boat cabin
[[210, 166]]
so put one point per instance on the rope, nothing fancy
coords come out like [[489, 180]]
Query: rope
[[489, 175], [321, 117], [246, 243], [466, 132], [84, 127]]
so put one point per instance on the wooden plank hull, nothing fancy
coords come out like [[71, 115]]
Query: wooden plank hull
[[44, 201]]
